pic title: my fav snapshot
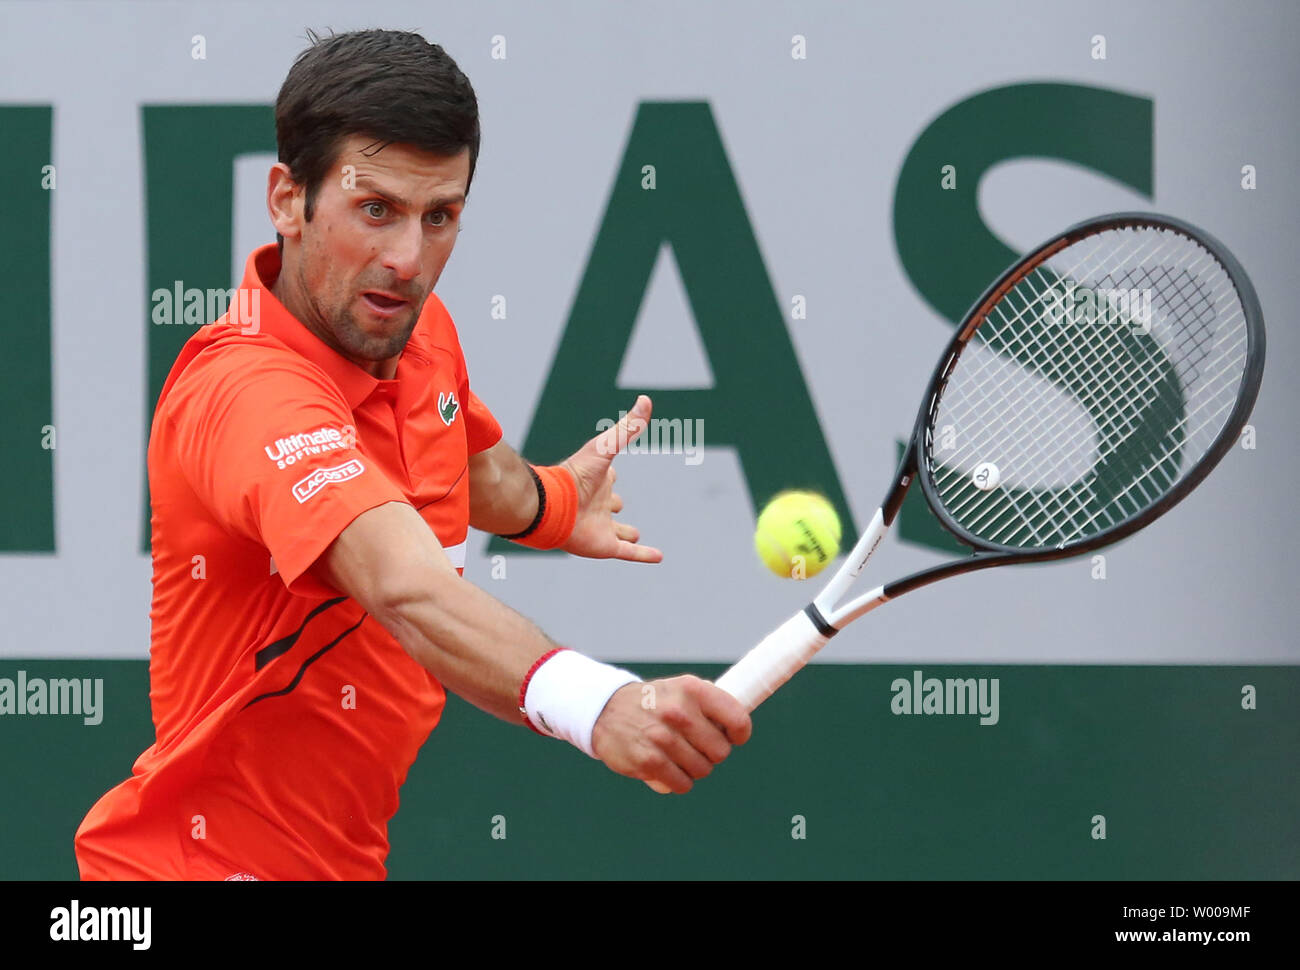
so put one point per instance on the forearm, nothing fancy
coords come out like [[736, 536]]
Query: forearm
[[390, 562], [483, 651], [478, 647], [502, 494]]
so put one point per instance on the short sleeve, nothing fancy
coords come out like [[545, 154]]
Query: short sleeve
[[267, 443], [482, 430]]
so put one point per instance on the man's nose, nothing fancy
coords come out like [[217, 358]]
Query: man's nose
[[405, 246]]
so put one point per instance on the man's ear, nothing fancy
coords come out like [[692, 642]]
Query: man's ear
[[285, 202]]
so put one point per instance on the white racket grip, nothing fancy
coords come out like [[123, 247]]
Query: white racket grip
[[756, 676]]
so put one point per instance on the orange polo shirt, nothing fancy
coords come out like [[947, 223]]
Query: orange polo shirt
[[286, 717]]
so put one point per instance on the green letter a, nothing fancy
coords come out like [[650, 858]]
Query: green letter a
[[759, 403]]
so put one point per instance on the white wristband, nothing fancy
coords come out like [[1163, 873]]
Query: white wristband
[[567, 694]]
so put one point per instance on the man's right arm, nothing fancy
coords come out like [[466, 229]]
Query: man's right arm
[[229, 412], [391, 563]]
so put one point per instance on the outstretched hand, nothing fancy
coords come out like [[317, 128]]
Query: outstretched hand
[[596, 534]]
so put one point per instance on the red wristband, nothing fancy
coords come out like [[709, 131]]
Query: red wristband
[[523, 688], [561, 509]]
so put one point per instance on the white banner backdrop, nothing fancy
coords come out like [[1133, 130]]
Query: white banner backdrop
[[815, 143]]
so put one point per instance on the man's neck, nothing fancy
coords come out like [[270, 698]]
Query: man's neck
[[292, 300]]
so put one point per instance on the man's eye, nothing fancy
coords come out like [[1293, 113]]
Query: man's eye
[[370, 208], [439, 218]]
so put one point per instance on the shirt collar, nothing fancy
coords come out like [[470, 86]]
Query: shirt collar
[[260, 273]]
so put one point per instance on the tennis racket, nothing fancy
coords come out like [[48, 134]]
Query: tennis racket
[[1089, 390]]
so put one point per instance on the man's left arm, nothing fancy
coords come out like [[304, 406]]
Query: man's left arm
[[503, 497]]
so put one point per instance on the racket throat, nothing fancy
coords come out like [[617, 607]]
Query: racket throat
[[819, 621]]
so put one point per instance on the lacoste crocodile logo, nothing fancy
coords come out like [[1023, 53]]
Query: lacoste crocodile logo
[[447, 407]]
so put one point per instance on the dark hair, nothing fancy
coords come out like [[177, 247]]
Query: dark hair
[[391, 85]]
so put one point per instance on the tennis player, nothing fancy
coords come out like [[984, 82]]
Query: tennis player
[[313, 473]]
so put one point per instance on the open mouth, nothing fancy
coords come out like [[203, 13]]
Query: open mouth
[[382, 303]]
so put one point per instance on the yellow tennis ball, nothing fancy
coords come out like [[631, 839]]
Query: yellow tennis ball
[[798, 534]]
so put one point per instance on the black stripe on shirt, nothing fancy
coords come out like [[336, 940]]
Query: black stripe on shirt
[[282, 646], [307, 663]]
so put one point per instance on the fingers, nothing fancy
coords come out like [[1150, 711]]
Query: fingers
[[690, 764], [687, 734], [665, 777], [654, 761], [612, 440], [725, 711], [688, 741], [669, 733], [631, 552], [704, 737], [642, 407], [628, 548]]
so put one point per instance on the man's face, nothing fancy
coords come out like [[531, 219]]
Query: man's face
[[382, 229]]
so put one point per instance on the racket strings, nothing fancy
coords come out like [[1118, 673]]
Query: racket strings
[[1149, 483], [1074, 493], [1093, 385], [1212, 419], [1077, 494], [1111, 380], [1063, 498], [1009, 369], [1196, 308], [1082, 357], [1219, 413]]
